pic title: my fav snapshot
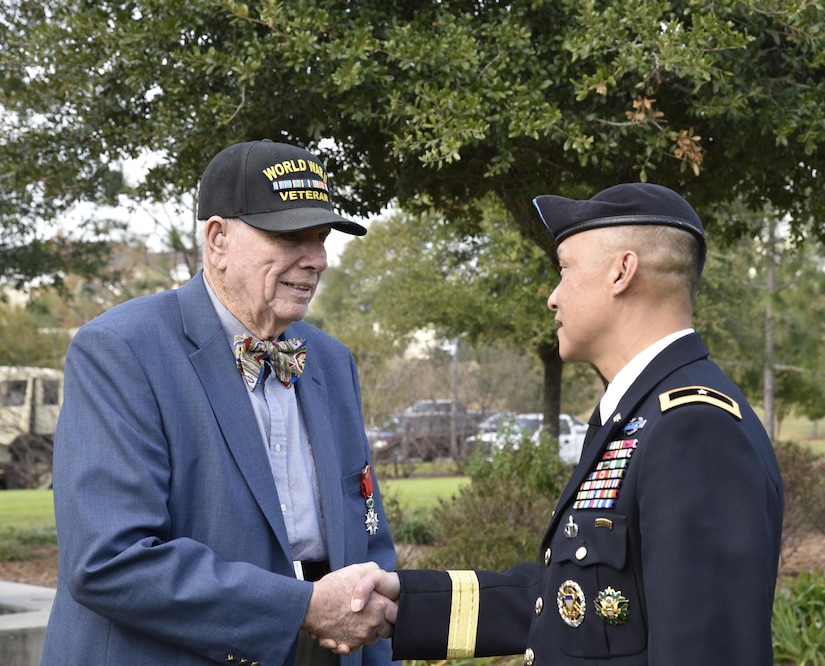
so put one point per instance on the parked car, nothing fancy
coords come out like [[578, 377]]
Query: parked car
[[514, 428], [571, 438], [504, 429], [441, 406], [384, 436], [493, 421], [424, 432]]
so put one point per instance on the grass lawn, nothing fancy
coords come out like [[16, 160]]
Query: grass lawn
[[805, 432], [422, 492], [26, 524], [26, 510]]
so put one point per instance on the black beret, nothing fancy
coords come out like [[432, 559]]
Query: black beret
[[626, 204]]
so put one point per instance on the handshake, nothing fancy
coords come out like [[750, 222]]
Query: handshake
[[353, 607]]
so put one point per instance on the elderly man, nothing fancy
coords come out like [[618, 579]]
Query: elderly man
[[663, 548], [211, 466]]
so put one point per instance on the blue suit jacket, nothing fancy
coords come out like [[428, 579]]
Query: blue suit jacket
[[173, 549]]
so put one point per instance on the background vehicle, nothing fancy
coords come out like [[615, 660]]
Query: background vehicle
[[30, 400], [505, 429], [442, 406], [512, 429], [571, 438], [386, 429], [424, 432], [493, 421]]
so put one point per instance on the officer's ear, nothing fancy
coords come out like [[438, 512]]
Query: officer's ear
[[624, 270]]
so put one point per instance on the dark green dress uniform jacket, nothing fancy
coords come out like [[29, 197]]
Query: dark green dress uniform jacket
[[663, 548]]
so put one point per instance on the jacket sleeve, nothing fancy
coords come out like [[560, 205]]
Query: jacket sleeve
[[460, 614], [710, 518]]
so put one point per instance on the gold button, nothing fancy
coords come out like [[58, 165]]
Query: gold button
[[547, 555], [539, 605], [529, 657], [230, 658], [581, 553]]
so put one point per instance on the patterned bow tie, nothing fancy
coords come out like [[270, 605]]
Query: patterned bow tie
[[286, 356]]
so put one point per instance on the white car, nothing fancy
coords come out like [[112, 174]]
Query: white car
[[508, 430], [514, 428], [571, 438]]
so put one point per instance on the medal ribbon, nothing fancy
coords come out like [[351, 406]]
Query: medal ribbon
[[371, 520]]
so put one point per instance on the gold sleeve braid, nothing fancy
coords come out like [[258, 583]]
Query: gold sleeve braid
[[461, 640]]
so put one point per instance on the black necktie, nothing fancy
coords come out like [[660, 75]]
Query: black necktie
[[593, 426]]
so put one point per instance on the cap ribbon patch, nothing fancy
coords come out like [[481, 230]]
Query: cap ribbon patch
[[299, 183], [298, 189]]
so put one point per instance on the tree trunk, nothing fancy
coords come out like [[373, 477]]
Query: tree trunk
[[549, 354], [768, 368]]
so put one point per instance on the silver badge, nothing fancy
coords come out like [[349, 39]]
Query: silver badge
[[571, 530]]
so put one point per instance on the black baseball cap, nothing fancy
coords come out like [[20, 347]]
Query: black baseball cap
[[272, 186], [625, 204]]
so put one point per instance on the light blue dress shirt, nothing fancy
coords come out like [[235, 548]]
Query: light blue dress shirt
[[289, 450]]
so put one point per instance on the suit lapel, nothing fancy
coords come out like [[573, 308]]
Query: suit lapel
[[314, 404], [215, 366]]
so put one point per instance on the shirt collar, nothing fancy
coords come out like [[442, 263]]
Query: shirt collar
[[629, 373], [229, 322]]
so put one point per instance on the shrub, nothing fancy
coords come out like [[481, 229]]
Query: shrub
[[798, 624], [415, 528], [499, 518], [410, 527], [803, 478], [17, 545]]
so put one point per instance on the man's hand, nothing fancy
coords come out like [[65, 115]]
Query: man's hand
[[330, 617], [378, 581], [376, 586]]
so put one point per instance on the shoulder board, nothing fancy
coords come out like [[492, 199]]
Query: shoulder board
[[692, 394]]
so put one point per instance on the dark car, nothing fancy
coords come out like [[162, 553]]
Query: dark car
[[424, 432]]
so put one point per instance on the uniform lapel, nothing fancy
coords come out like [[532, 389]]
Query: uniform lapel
[[588, 460], [682, 351]]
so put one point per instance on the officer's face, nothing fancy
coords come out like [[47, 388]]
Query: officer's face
[[581, 299]]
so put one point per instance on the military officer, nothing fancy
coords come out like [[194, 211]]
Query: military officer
[[664, 546]]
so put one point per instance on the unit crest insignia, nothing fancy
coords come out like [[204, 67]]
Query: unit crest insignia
[[612, 606]]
